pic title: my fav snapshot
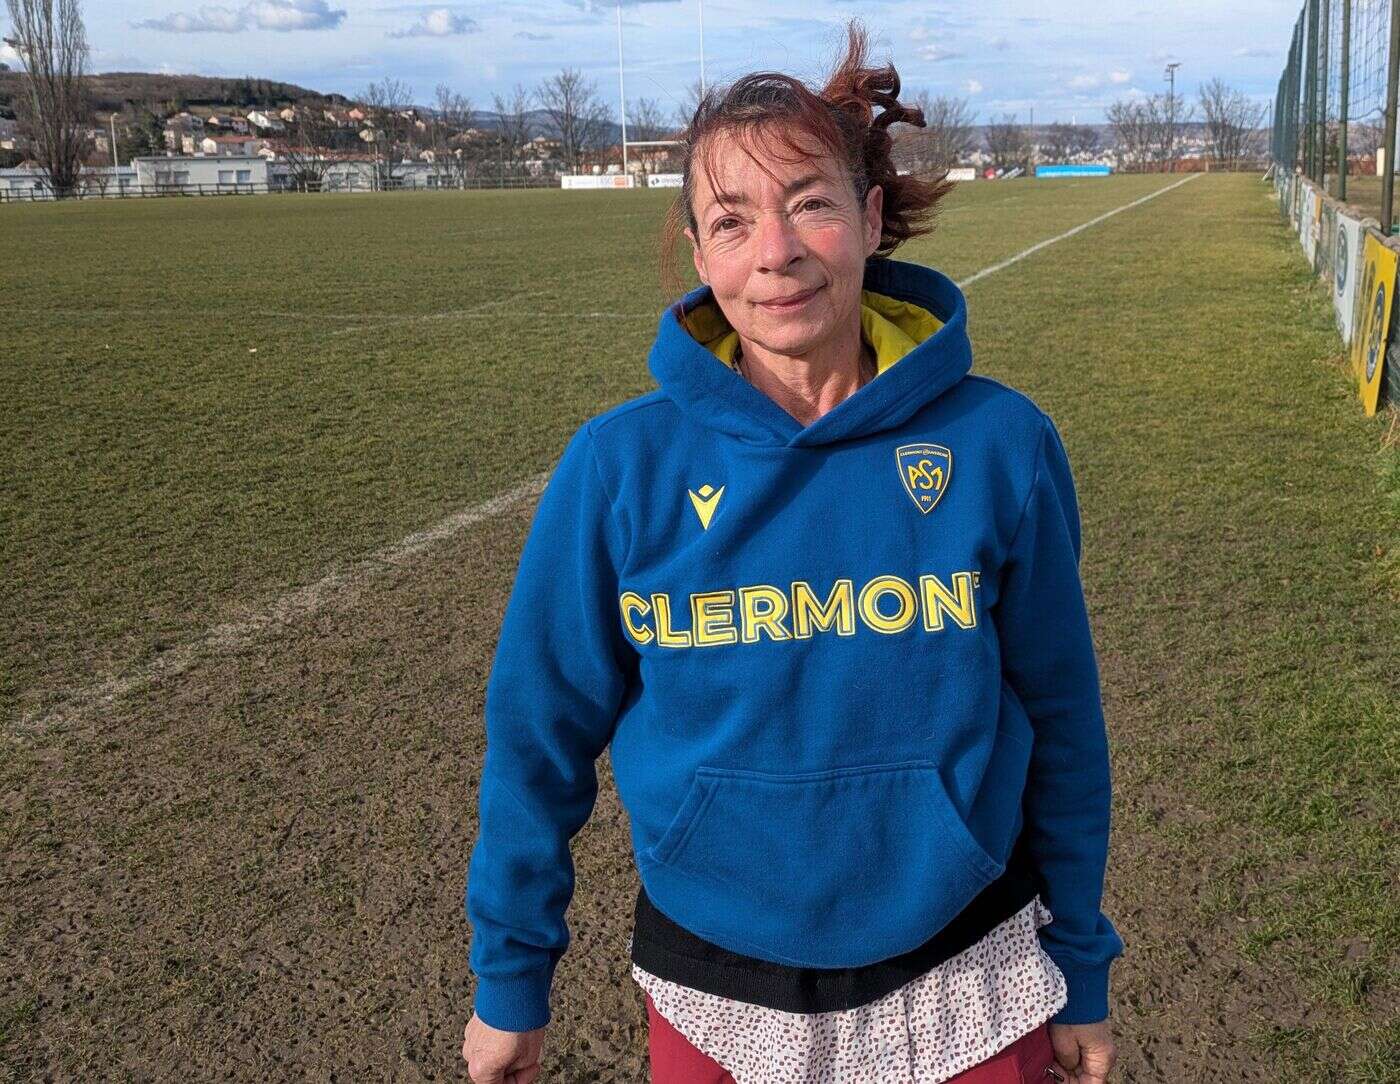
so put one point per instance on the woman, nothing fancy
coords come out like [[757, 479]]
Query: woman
[[819, 596]]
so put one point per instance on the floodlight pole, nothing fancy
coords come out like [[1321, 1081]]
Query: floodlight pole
[[621, 89], [1171, 115]]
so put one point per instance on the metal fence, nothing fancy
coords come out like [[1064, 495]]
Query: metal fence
[[39, 193], [1334, 111]]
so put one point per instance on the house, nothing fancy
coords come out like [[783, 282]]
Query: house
[[355, 114], [266, 121], [288, 115], [228, 146]]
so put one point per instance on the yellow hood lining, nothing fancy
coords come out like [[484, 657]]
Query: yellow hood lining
[[892, 327]]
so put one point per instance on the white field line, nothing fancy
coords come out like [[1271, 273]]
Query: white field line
[[293, 606], [347, 580], [1070, 233]]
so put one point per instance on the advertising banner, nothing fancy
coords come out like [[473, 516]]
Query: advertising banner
[[1346, 265], [1371, 320]]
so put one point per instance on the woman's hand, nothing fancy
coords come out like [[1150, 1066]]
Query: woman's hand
[[501, 1057], [1084, 1051]]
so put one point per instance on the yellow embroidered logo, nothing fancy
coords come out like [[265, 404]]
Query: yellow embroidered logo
[[705, 502], [925, 470]]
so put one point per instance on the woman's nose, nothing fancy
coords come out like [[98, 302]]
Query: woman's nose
[[778, 242]]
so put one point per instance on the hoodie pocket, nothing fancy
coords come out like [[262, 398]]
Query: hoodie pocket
[[835, 868]]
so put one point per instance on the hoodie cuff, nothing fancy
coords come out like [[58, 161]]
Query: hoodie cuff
[[1088, 993], [514, 1002]]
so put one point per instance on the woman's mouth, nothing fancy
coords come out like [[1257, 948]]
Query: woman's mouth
[[795, 301]]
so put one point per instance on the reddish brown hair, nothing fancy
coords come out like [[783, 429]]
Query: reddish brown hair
[[840, 117]]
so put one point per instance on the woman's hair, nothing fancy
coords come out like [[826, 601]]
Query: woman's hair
[[840, 117]]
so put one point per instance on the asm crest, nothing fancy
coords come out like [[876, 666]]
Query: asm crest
[[924, 470]]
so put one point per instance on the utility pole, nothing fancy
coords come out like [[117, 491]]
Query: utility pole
[[1171, 114]]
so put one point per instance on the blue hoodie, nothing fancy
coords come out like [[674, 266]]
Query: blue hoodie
[[840, 667]]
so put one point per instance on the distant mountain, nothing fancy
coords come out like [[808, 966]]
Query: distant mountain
[[111, 90]]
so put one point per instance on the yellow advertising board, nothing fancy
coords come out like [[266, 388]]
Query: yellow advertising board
[[1371, 322]]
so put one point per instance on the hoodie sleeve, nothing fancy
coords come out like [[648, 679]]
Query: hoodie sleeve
[[1048, 657], [552, 697]]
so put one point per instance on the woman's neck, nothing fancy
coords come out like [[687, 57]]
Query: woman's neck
[[809, 385]]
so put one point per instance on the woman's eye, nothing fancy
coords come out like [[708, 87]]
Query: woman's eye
[[808, 202], [721, 223]]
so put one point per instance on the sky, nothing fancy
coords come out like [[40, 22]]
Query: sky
[[1003, 56]]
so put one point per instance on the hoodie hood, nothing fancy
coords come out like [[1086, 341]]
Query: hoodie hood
[[709, 392]]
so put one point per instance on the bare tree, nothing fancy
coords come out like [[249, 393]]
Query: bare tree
[[514, 129], [1007, 142], [1232, 123], [452, 116], [385, 102], [574, 111], [946, 138], [1164, 116], [646, 121], [307, 147], [1134, 129], [685, 110], [51, 42], [1066, 142]]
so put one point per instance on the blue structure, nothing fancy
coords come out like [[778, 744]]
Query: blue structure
[[1073, 171]]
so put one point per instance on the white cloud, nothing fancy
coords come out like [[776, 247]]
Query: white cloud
[[295, 15], [9, 55], [972, 86], [1000, 43], [1119, 76], [437, 23], [278, 15], [210, 19], [937, 53], [531, 36], [1084, 82], [1253, 51]]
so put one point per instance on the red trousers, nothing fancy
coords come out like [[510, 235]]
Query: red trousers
[[675, 1061]]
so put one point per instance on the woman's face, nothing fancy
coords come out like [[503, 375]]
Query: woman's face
[[799, 233]]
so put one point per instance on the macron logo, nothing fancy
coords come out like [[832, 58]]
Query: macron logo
[[705, 502]]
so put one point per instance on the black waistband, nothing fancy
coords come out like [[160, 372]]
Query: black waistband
[[669, 951]]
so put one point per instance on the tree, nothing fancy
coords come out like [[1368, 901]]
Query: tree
[[1007, 142], [51, 41], [307, 147], [578, 117], [1232, 124], [685, 111], [945, 139], [514, 129], [1066, 142], [385, 103], [452, 116], [646, 121], [141, 133], [1133, 132]]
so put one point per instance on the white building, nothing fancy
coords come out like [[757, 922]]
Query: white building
[[209, 173], [31, 182]]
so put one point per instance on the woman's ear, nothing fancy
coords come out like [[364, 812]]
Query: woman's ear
[[874, 218], [696, 255]]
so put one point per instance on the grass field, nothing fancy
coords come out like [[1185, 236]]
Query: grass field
[[251, 867]]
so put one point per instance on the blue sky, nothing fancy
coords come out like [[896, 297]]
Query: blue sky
[[1003, 55]]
